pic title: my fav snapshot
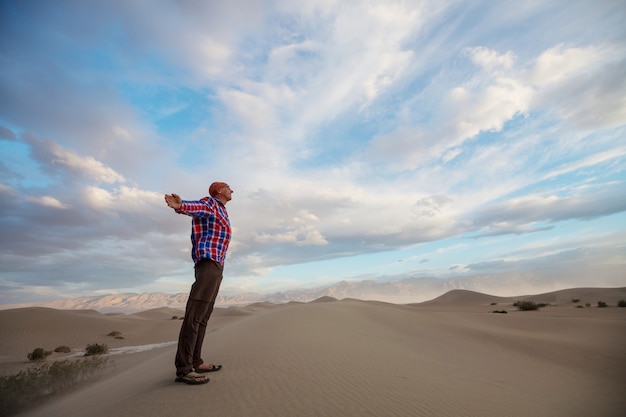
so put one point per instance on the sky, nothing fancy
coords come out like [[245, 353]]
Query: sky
[[364, 140]]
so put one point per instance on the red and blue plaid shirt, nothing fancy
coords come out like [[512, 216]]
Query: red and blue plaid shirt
[[210, 228]]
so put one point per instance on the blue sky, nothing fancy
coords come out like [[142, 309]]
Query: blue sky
[[364, 140]]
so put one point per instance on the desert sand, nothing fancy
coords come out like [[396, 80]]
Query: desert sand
[[447, 357]]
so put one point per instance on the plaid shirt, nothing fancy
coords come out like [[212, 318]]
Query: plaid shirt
[[210, 228]]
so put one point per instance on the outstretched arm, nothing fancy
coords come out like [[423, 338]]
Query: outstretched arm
[[173, 200]]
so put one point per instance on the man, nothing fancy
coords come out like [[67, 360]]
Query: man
[[210, 236]]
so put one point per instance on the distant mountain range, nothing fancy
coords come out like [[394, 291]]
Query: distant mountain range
[[411, 290]]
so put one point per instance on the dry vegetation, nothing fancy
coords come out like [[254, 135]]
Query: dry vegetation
[[41, 382]]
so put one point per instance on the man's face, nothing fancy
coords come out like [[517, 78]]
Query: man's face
[[226, 193]]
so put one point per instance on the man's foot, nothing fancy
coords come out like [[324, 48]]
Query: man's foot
[[208, 368], [192, 378]]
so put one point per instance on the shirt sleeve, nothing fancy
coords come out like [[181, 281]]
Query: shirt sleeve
[[198, 208]]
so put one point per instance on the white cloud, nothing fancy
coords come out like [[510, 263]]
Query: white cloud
[[582, 85], [588, 161], [289, 57], [554, 208], [313, 237], [301, 236], [451, 154], [484, 103], [213, 57], [254, 111], [560, 64], [122, 199], [404, 148], [86, 165], [390, 67], [47, 201], [53, 155], [489, 59], [257, 107], [99, 198], [5, 189], [564, 78], [490, 108], [305, 216], [287, 237], [122, 133]]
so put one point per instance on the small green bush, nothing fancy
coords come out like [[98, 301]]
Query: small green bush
[[38, 354], [96, 349], [602, 304], [63, 349], [621, 303], [527, 305]]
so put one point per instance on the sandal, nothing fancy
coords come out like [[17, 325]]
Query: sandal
[[213, 368], [192, 378]]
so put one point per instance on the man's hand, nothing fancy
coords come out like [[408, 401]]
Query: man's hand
[[173, 200]]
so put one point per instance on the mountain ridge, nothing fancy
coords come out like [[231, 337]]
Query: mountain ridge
[[405, 291]]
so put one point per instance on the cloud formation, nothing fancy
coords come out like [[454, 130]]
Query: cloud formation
[[355, 135]]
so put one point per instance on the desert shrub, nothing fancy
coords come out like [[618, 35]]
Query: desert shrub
[[527, 305], [602, 304], [575, 300], [115, 333], [38, 354], [96, 349], [63, 349], [621, 303], [587, 305], [38, 383], [580, 307], [500, 311], [494, 304], [174, 317]]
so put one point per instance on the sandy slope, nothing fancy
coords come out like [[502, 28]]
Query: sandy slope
[[24, 329], [449, 357]]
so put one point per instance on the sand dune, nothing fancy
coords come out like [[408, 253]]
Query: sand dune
[[22, 330], [163, 313], [448, 357], [456, 298]]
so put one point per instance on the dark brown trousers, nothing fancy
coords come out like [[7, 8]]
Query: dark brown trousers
[[197, 313]]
